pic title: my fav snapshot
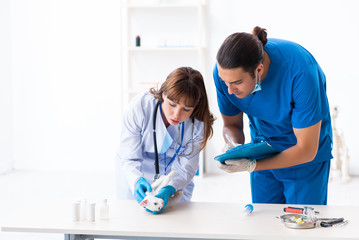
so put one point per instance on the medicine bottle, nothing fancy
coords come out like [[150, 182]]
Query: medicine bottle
[[91, 212], [76, 211], [104, 210], [138, 41]]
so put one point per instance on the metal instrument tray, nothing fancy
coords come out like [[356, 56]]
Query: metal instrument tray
[[287, 219]]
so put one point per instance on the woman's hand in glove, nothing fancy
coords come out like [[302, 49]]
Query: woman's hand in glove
[[165, 193], [142, 186]]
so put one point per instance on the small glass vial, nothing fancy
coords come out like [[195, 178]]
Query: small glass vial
[[309, 212], [104, 210]]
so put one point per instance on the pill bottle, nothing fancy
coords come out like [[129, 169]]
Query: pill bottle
[[76, 211], [91, 212]]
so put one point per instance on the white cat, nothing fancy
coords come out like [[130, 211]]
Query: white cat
[[153, 203]]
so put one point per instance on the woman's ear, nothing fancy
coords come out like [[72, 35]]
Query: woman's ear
[[260, 69]]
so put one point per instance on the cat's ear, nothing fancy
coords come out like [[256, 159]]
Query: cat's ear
[[144, 202]]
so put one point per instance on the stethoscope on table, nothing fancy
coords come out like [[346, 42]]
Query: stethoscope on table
[[157, 167]]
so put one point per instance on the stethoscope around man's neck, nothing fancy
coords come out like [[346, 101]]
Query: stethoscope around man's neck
[[157, 167]]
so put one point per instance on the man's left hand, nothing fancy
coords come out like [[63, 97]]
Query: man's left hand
[[238, 165]]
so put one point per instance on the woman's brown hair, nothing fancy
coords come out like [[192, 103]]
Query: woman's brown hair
[[188, 84]]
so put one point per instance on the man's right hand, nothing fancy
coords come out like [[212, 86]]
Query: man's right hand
[[229, 146]]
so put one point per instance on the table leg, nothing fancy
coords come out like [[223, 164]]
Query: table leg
[[77, 237], [93, 237]]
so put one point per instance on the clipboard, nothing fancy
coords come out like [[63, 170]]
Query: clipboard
[[249, 150]]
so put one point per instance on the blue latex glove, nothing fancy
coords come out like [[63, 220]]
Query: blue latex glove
[[142, 186], [165, 193]]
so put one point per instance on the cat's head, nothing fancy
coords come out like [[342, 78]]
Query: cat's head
[[152, 203]]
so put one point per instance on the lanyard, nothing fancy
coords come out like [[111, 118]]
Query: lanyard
[[174, 155], [157, 168]]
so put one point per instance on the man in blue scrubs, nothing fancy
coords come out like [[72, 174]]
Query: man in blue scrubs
[[282, 89]]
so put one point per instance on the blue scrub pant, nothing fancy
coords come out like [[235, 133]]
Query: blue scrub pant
[[307, 184]]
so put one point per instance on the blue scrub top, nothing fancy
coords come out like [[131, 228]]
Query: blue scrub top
[[293, 95]]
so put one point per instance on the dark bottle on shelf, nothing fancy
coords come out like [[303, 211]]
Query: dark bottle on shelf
[[138, 41]]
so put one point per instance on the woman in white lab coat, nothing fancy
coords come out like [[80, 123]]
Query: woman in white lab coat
[[183, 123]]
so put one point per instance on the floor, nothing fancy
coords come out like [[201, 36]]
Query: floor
[[34, 186]]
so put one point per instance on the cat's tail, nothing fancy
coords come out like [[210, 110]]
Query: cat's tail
[[167, 179], [171, 175], [162, 181]]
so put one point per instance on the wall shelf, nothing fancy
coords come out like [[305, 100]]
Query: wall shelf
[[154, 49], [165, 5]]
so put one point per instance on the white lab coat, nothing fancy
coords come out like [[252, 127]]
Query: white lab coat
[[135, 157]]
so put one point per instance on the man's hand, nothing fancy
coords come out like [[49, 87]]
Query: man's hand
[[238, 165], [229, 146]]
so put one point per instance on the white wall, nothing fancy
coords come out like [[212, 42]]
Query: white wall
[[6, 94], [66, 62], [66, 71], [328, 29]]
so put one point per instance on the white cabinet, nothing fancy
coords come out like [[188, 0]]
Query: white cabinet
[[172, 34]]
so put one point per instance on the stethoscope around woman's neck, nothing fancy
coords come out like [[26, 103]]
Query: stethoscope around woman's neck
[[157, 167]]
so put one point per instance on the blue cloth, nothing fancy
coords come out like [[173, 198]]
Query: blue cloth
[[295, 185], [293, 95]]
